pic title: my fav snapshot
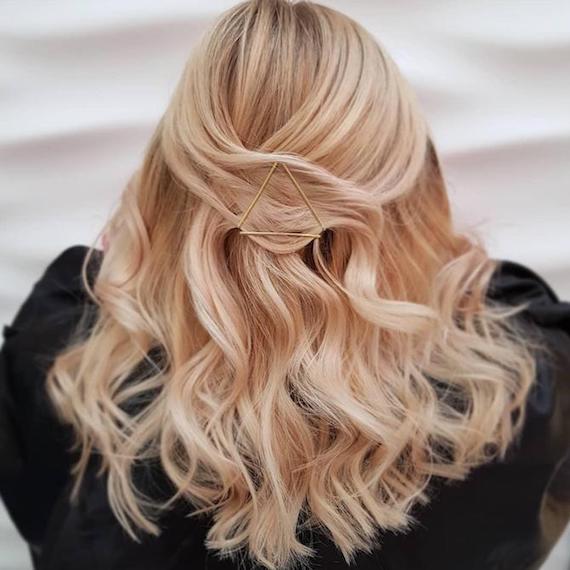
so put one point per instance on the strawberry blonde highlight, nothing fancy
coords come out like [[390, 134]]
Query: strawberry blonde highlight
[[299, 383]]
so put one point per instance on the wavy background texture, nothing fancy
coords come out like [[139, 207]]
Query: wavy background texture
[[83, 83]]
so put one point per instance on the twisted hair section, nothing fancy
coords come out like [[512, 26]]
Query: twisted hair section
[[302, 383]]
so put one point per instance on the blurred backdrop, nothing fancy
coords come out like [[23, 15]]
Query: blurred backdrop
[[82, 85]]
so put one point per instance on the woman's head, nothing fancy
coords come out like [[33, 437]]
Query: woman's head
[[302, 381], [304, 85]]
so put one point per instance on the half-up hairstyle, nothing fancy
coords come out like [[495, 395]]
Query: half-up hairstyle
[[304, 382]]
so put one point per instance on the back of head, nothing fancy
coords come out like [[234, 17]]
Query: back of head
[[322, 358]]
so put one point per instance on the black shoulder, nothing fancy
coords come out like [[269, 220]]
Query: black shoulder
[[55, 306], [34, 458], [60, 286], [547, 431], [514, 283]]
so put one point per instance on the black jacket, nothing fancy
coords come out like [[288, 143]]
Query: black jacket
[[505, 516]]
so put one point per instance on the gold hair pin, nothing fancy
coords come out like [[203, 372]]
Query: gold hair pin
[[258, 196]]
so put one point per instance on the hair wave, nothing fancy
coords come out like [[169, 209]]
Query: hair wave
[[302, 383]]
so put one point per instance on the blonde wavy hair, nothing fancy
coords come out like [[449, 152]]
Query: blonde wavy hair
[[302, 383]]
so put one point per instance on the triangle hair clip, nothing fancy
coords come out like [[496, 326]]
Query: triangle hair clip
[[258, 196]]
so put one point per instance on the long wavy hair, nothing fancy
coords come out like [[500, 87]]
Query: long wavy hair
[[303, 382]]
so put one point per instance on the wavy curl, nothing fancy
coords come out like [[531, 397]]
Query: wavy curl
[[302, 383]]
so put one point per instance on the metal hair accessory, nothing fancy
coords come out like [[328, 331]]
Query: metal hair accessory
[[258, 196]]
